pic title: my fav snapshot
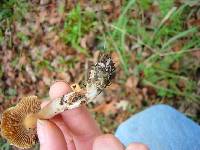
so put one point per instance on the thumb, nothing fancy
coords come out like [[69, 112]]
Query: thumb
[[50, 136], [107, 142]]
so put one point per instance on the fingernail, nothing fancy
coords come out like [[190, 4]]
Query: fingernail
[[41, 130]]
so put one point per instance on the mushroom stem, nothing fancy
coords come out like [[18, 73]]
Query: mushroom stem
[[30, 121], [100, 76], [67, 101]]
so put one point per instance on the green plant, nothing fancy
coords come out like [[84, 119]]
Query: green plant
[[4, 145], [77, 23], [68, 62], [10, 11], [13, 9], [43, 64], [23, 37], [157, 67]]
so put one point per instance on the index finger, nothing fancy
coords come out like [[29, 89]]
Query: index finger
[[80, 122]]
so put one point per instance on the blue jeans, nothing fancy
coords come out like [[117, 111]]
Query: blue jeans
[[161, 127]]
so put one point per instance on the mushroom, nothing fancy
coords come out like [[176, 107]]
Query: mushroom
[[15, 123], [18, 123]]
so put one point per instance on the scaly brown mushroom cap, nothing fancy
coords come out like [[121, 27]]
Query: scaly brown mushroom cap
[[12, 125]]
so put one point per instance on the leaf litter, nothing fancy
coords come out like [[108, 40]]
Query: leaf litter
[[33, 56]]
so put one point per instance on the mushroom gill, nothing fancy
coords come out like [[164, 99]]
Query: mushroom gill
[[13, 126]]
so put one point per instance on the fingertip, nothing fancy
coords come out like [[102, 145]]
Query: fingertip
[[58, 89], [107, 142], [66, 132], [50, 136], [41, 124], [137, 146]]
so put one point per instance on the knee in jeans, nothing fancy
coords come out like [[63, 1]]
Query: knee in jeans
[[161, 109]]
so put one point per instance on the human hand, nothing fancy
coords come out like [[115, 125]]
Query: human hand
[[75, 129]]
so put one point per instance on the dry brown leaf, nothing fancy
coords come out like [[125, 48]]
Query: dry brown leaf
[[176, 65], [194, 22], [64, 76], [96, 56], [196, 53], [138, 101], [88, 41], [108, 8], [30, 73], [46, 76], [131, 83], [114, 87], [122, 116], [42, 88], [115, 58], [23, 59], [106, 109]]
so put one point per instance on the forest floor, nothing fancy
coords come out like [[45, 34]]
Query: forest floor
[[155, 45]]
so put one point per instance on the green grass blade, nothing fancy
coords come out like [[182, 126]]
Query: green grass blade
[[178, 36], [120, 21]]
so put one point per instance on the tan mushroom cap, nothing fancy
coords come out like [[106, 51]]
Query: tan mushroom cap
[[12, 127]]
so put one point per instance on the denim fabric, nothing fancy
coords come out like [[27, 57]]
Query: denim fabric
[[160, 127]]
